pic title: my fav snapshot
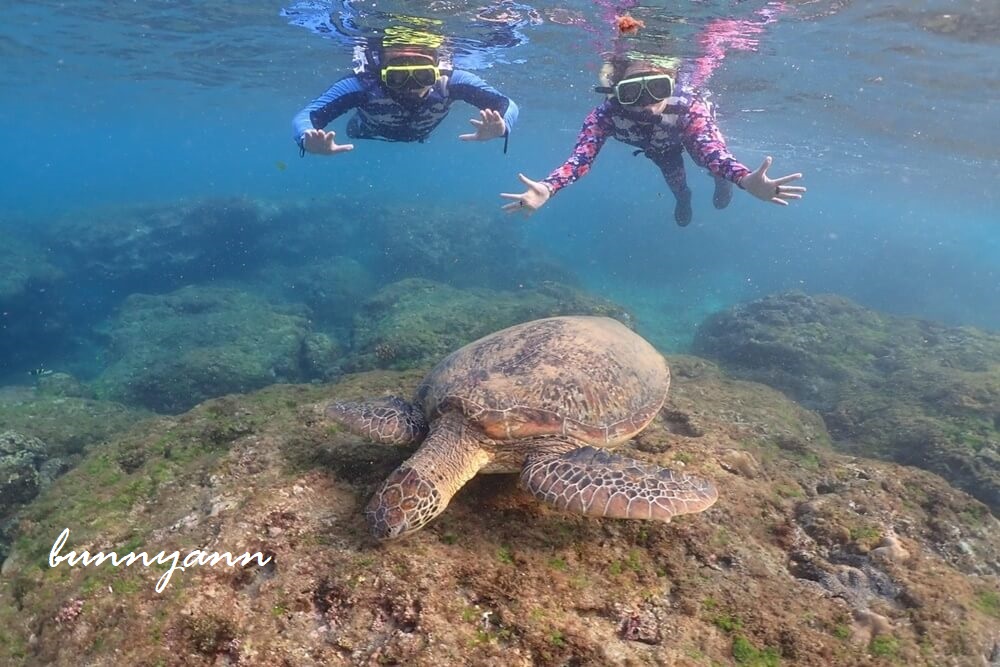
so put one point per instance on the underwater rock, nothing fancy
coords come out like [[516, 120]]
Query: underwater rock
[[917, 392], [161, 246], [175, 350], [32, 317], [415, 322], [332, 288], [498, 579], [447, 244], [868, 625], [20, 459], [66, 424], [891, 549], [739, 462], [26, 467], [62, 385], [25, 272]]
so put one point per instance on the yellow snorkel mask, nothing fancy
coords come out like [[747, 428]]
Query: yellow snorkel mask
[[409, 44], [398, 77]]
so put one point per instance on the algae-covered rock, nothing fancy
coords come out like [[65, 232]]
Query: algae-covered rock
[[66, 424], [32, 318], [154, 246], [25, 271], [172, 351], [20, 459], [918, 392], [416, 322], [60, 385], [333, 288], [785, 568], [447, 244]]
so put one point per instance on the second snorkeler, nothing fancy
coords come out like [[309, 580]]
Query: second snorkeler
[[645, 110]]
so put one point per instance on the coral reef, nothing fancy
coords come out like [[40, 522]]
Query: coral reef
[[917, 392], [809, 557], [173, 351]]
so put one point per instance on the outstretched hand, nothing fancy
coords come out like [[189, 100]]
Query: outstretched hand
[[529, 201], [322, 143], [489, 126], [773, 190]]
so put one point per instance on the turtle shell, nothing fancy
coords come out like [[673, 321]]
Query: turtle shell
[[590, 378]]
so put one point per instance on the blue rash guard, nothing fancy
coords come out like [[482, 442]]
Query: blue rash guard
[[380, 116]]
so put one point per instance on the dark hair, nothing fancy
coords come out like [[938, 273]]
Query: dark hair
[[379, 47], [620, 63]]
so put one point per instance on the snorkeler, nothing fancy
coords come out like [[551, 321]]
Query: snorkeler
[[645, 111], [402, 90]]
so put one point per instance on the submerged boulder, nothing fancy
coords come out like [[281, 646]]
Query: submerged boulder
[[416, 322], [333, 288], [448, 244], [917, 392], [160, 246], [170, 352], [21, 457], [66, 424]]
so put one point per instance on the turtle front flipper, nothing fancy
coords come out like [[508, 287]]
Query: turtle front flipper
[[423, 485], [391, 421], [594, 482]]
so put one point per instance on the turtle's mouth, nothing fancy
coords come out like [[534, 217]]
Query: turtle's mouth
[[386, 524]]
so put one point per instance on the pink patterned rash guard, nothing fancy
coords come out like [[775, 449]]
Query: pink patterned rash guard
[[687, 123]]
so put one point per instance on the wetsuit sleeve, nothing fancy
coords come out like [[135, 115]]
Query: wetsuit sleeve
[[704, 142], [597, 127], [470, 88], [341, 97]]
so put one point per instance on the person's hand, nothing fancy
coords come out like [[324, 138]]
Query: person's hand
[[773, 190], [489, 126], [530, 200], [322, 143]]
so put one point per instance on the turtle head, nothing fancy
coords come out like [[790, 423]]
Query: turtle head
[[404, 503]]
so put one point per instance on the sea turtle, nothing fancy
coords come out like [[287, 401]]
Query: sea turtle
[[538, 398]]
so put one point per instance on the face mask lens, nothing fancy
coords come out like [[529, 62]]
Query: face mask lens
[[424, 76], [660, 88], [395, 78], [628, 91]]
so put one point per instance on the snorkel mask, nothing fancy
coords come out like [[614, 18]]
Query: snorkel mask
[[641, 90], [643, 79], [413, 64], [410, 77]]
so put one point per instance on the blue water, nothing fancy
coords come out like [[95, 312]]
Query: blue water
[[891, 109]]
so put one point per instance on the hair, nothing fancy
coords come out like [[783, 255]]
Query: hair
[[416, 49], [621, 63]]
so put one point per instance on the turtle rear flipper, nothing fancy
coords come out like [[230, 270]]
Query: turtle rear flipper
[[594, 482], [391, 421]]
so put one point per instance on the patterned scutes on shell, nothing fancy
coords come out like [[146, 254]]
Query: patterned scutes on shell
[[587, 377]]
